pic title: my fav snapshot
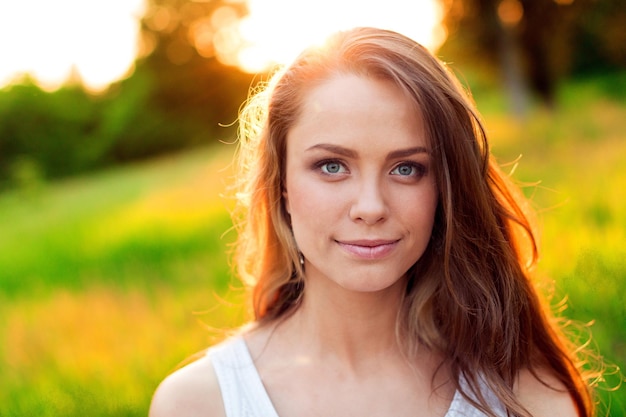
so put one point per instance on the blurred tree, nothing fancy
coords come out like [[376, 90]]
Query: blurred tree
[[51, 133], [534, 43], [192, 91], [178, 96], [601, 39]]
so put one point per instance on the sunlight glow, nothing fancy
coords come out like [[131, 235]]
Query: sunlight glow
[[96, 42], [276, 30], [55, 41]]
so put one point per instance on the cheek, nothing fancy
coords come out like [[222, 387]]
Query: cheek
[[312, 206], [419, 209], [304, 201]]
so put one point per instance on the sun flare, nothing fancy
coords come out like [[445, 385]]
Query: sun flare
[[97, 42], [276, 30]]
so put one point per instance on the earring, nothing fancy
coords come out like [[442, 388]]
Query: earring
[[301, 257]]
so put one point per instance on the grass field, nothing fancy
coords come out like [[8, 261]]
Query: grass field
[[108, 281]]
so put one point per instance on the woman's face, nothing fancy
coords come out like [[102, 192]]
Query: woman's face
[[359, 183]]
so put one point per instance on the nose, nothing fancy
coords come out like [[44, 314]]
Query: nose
[[369, 205]]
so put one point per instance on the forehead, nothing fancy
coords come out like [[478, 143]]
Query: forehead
[[354, 109]]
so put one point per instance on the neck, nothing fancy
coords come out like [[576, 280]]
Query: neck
[[351, 326]]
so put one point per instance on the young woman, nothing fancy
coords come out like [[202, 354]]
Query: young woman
[[388, 256]]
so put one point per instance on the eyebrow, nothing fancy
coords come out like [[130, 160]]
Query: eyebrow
[[349, 153]]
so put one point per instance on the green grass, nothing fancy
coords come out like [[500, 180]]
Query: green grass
[[572, 164], [108, 281]]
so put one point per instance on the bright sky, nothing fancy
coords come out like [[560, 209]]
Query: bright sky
[[98, 38], [47, 38], [278, 29]]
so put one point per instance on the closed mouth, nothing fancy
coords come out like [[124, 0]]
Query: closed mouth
[[370, 248]]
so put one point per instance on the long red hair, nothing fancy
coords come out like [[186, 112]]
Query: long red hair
[[470, 295]]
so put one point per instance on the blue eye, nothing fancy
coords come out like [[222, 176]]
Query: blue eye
[[409, 170], [332, 167]]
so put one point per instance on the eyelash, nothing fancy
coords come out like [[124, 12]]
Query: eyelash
[[420, 169], [320, 166]]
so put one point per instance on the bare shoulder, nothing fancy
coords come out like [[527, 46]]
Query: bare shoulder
[[189, 392], [544, 396]]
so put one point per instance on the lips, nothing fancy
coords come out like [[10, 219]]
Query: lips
[[368, 249]]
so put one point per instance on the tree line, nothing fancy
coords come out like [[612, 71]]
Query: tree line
[[185, 93]]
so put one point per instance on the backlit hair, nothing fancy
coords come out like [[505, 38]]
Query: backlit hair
[[470, 296]]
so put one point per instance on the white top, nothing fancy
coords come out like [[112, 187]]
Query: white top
[[244, 395]]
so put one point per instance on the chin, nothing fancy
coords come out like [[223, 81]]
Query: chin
[[372, 283]]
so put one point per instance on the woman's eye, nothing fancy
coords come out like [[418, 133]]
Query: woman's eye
[[332, 168], [409, 170]]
